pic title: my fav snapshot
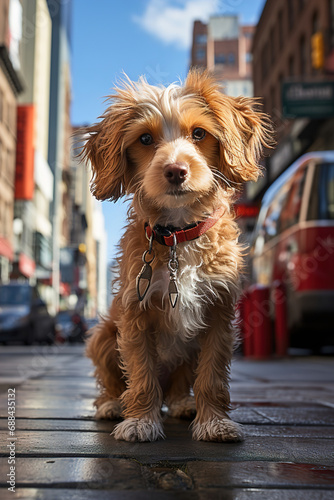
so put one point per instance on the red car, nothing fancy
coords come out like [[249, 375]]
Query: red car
[[294, 243]]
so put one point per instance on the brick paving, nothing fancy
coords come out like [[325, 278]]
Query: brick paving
[[286, 407]]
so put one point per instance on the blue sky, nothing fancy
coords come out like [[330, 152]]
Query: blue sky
[[150, 37]]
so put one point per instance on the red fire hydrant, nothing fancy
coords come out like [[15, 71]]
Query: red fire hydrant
[[281, 322], [246, 309], [260, 321]]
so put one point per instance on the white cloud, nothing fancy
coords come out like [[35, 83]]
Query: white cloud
[[173, 23]]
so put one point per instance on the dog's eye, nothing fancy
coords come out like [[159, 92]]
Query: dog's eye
[[146, 139], [198, 134]]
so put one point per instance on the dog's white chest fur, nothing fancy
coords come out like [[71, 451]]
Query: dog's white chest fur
[[196, 290]]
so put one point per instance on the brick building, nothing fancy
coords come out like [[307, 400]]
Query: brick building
[[293, 52], [10, 87], [34, 179], [224, 47]]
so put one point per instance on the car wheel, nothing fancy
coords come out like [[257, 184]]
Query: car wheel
[[50, 339], [29, 338], [51, 336]]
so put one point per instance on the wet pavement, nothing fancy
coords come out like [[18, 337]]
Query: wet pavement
[[286, 407]]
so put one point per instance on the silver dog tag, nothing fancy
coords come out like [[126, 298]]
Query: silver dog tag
[[143, 281], [173, 292], [173, 265]]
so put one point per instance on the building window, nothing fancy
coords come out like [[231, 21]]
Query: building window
[[291, 66], [331, 22], [280, 29], [4, 111], [264, 104], [264, 62], [8, 220], [14, 117], [4, 163], [11, 167], [315, 23], [11, 117], [200, 54], [201, 39], [273, 98], [231, 58], [249, 57], [272, 45], [220, 58], [280, 84], [302, 56], [290, 14], [301, 4]]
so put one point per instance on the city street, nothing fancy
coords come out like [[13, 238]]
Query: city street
[[213, 123], [286, 407]]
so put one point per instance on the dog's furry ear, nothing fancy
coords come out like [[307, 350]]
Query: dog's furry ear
[[103, 147], [244, 136], [242, 130]]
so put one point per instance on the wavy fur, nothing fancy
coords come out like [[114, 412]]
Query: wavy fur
[[140, 342]]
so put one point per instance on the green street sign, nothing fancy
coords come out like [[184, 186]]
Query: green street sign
[[308, 100]]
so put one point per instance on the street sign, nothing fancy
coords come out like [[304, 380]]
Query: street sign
[[308, 100]]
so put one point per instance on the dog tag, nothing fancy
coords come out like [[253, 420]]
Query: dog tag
[[144, 281], [173, 292]]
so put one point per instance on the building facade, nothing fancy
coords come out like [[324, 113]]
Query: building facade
[[51, 229], [10, 86], [293, 67], [223, 46], [100, 238], [59, 132], [34, 179], [83, 268]]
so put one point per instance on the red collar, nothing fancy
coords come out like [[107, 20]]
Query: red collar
[[165, 234]]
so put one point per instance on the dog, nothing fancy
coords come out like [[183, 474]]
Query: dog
[[181, 152]]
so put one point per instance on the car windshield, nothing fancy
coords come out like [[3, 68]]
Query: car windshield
[[64, 317], [322, 196], [327, 192], [14, 295]]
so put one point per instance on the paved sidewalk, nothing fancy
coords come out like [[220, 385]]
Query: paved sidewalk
[[286, 406]]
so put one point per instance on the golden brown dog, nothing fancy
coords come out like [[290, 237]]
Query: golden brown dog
[[180, 152]]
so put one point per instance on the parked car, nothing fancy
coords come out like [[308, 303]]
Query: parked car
[[70, 326], [294, 244], [24, 316]]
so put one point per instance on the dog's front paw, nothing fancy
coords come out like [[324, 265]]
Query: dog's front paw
[[183, 408], [110, 410], [218, 429], [138, 429]]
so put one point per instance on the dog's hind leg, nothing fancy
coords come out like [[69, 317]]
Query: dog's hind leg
[[102, 349], [180, 401]]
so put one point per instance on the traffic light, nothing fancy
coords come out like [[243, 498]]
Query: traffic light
[[80, 254], [317, 54]]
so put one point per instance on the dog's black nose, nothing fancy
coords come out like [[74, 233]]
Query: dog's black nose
[[176, 173]]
